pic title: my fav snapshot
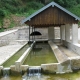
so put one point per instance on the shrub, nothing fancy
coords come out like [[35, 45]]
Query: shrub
[[34, 5], [75, 10], [2, 15]]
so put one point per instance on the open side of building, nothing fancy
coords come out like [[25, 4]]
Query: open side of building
[[54, 16], [51, 16]]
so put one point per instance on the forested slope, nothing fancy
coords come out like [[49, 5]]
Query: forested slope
[[12, 11]]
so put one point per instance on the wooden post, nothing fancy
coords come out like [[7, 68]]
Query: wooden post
[[34, 33], [29, 33]]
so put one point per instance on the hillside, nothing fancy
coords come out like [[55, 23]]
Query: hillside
[[16, 10]]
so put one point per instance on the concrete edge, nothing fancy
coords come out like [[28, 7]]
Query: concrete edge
[[13, 53]]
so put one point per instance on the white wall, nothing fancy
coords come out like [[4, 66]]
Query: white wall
[[78, 33], [8, 36]]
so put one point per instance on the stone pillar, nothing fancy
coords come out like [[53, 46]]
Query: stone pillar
[[63, 32], [29, 33], [18, 66], [74, 33], [67, 32], [51, 33]]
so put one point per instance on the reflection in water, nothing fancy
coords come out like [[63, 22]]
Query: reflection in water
[[41, 54], [6, 78], [69, 76], [37, 49], [6, 72], [33, 77], [11, 78]]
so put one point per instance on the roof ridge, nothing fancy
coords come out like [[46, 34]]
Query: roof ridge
[[45, 7]]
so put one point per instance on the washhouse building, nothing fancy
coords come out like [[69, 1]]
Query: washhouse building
[[51, 16]]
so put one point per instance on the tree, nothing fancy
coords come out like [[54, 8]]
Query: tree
[[2, 15], [66, 3]]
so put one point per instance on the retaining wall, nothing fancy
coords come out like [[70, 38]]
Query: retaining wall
[[24, 33], [63, 64], [1, 68], [75, 61], [21, 60], [21, 34], [8, 36], [74, 47], [57, 68]]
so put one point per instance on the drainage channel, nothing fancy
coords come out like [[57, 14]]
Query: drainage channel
[[33, 73], [34, 70], [11, 61]]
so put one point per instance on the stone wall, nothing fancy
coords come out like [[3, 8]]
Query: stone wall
[[74, 47], [1, 68], [7, 37], [57, 67], [21, 60], [49, 68], [75, 61], [24, 33]]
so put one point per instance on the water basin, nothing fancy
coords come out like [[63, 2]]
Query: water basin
[[11, 61], [40, 54]]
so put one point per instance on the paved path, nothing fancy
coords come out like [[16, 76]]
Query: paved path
[[7, 51], [7, 32], [68, 52]]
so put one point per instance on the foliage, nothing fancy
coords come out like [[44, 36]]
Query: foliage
[[12, 24], [66, 3], [27, 7], [1, 30], [75, 10], [24, 6], [30, 6], [2, 15]]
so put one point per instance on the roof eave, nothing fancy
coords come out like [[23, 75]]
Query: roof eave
[[45, 7], [37, 12]]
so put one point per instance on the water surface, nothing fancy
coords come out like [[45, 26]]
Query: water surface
[[16, 56], [69, 76], [40, 54]]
